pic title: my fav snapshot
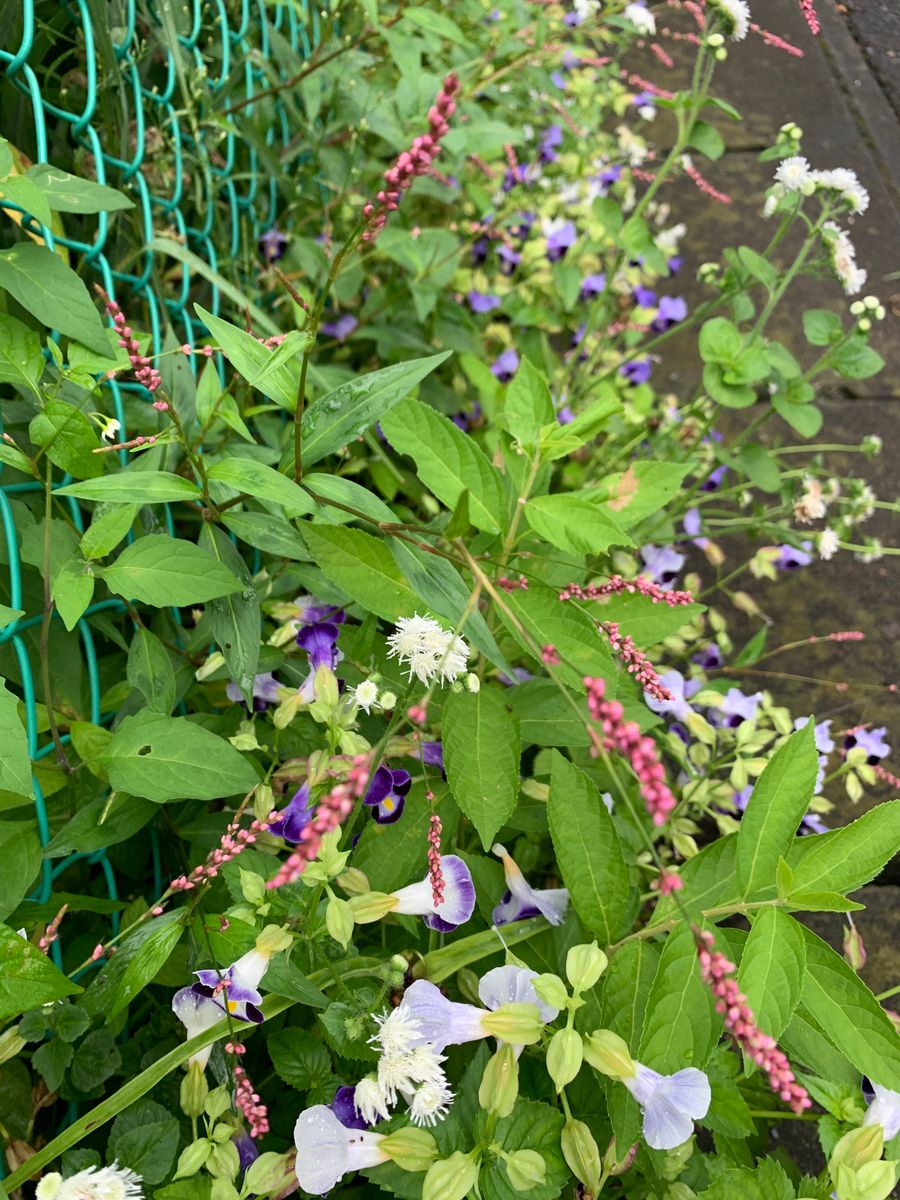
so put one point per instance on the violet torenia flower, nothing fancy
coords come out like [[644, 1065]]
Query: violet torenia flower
[[600, 184], [884, 1110], [509, 259], [310, 611], [791, 557], [551, 140], [644, 297], [662, 564], [671, 310], [680, 689], [669, 1103], [432, 755], [235, 989], [294, 817], [735, 708], [265, 691], [709, 658], [197, 1012], [328, 1150], [480, 248], [523, 228], [387, 794], [272, 244], [506, 365], [482, 302], [344, 1108], [458, 901], [521, 900], [320, 643], [637, 371], [560, 234], [871, 740], [558, 80], [246, 1148], [593, 285], [674, 264], [714, 482], [340, 328], [692, 525]]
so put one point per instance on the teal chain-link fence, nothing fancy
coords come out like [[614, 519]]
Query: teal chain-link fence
[[176, 103]]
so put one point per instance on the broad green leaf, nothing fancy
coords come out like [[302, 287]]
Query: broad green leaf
[[760, 467], [52, 1060], [160, 937], [21, 360], [29, 978], [640, 491], [145, 1139], [235, 620], [95, 1060], [103, 822], [15, 458], [285, 979], [70, 193], [588, 851], [625, 987], [107, 528], [806, 1044], [160, 570], [448, 462], [171, 758], [134, 487], [150, 672], [760, 268], [537, 618], [89, 742], [574, 524], [20, 852], [843, 1006], [299, 1058], [363, 567], [681, 1027], [73, 587], [18, 189], [720, 341], [335, 488], [640, 618], [546, 718], [527, 406], [435, 22], [265, 483], [707, 139], [559, 440], [856, 359], [821, 326], [342, 415], [772, 968], [481, 758], [274, 372], [15, 765], [765, 1181], [9, 615], [777, 804], [708, 878], [68, 438], [530, 1126], [270, 534], [42, 283], [845, 859]]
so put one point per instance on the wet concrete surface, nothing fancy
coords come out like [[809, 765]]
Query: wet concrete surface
[[876, 27]]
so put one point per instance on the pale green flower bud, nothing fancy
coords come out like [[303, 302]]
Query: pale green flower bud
[[500, 1082], [212, 664], [223, 1161], [223, 1189], [353, 743], [676, 1160], [584, 966], [857, 1147], [371, 907], [473, 685], [551, 989], [517, 1023], [273, 939], [608, 1053], [263, 801], [411, 1149], [388, 701], [354, 882], [526, 1169], [450, 1178], [270, 1174], [194, 1091], [872, 1181], [287, 710], [582, 1154], [565, 1055], [616, 1166], [339, 920], [10, 1043]]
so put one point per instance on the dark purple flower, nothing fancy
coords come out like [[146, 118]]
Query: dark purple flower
[[791, 557], [265, 691], [672, 309], [506, 365], [578, 335], [509, 259], [235, 989], [272, 244], [320, 643], [593, 285], [606, 178], [637, 371], [387, 794], [482, 302], [344, 1108], [674, 264], [294, 817], [644, 296], [480, 249], [309, 611], [246, 1148], [871, 740], [522, 230], [709, 658], [560, 235], [714, 482], [549, 143], [463, 420], [512, 177], [341, 328], [432, 755]]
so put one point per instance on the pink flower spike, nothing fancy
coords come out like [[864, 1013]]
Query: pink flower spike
[[808, 9], [616, 584], [636, 662], [550, 655], [435, 869]]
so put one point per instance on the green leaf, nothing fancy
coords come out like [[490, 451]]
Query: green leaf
[[765, 1181], [527, 406], [729, 393], [804, 419], [299, 1058], [284, 979], [145, 1138], [162, 571], [267, 533], [779, 800], [574, 524], [342, 415], [171, 758], [856, 359], [545, 717], [134, 487], [588, 852], [822, 327], [760, 467], [642, 490], [162, 936], [845, 859], [150, 672], [95, 1060], [530, 1126], [481, 758], [70, 193], [625, 990], [73, 587], [448, 462], [435, 22], [390, 856], [52, 1059], [707, 139], [559, 440], [681, 1027], [42, 283], [274, 372], [345, 491], [772, 968], [757, 266], [22, 191], [20, 853], [536, 618], [15, 764], [29, 978], [853, 1019], [101, 823], [363, 567], [641, 618], [21, 360], [720, 341], [107, 529], [805, 1043], [235, 620], [68, 438], [265, 483]]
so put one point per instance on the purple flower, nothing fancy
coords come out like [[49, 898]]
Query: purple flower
[[519, 675], [506, 366], [812, 823], [522, 230], [521, 900], [560, 235], [674, 264], [884, 1110], [714, 482], [513, 985], [735, 709], [294, 817], [741, 799], [235, 989], [558, 80], [644, 296], [637, 371], [432, 755], [644, 100], [320, 643], [661, 564], [572, 19], [417, 899], [197, 1012], [672, 309], [669, 1103], [246, 1148], [682, 689], [480, 249], [509, 259], [549, 142], [824, 740], [709, 658], [387, 794], [593, 285], [272, 244], [309, 611], [565, 415], [600, 184], [791, 557], [265, 691], [482, 302], [341, 328], [871, 740], [692, 525], [512, 176], [344, 1109]]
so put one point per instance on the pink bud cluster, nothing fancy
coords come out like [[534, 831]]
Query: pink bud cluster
[[234, 842], [664, 57], [616, 584], [646, 85], [51, 933], [331, 811], [808, 8], [512, 585], [435, 870], [144, 371], [702, 183], [636, 662], [549, 655], [418, 713], [133, 444], [843, 635], [667, 883], [412, 162], [776, 41], [627, 739], [249, 1104], [885, 775], [718, 975]]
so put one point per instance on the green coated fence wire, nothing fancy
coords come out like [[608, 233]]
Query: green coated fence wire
[[126, 92]]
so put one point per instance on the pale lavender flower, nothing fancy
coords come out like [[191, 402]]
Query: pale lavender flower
[[791, 557], [669, 1103], [341, 328], [671, 310], [513, 985], [884, 1111], [560, 235], [506, 365], [197, 1012], [593, 285], [662, 564], [735, 708], [265, 691], [482, 302], [871, 740], [637, 371], [681, 690], [328, 1150], [417, 899], [521, 900]]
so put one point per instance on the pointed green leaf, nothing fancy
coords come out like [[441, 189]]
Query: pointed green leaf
[[235, 620], [845, 859], [160, 570], [134, 487], [681, 1026], [42, 283], [536, 618], [772, 968], [481, 757], [265, 483], [363, 567], [574, 524], [15, 764], [29, 979], [150, 672]]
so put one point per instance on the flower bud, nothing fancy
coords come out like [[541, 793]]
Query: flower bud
[[676, 1160], [450, 1178], [223, 1160], [614, 1165], [872, 1181], [353, 881], [582, 1154], [500, 1082], [608, 1053], [268, 1175], [223, 1189], [263, 801], [411, 1149], [212, 664], [388, 701], [551, 989], [339, 920], [517, 1023], [10, 1043], [854, 947], [473, 685], [273, 939], [371, 907], [194, 1091], [584, 966], [287, 710], [526, 1169], [565, 1055], [858, 1147], [353, 743]]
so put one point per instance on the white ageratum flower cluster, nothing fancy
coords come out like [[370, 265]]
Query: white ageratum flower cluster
[[842, 254], [104, 1183], [429, 650], [408, 1066], [640, 17], [794, 174], [737, 13]]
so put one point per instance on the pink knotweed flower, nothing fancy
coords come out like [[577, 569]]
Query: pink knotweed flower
[[777, 42], [435, 870], [144, 371], [664, 57], [627, 739], [234, 842], [719, 976], [667, 883], [51, 933], [549, 655], [702, 183], [511, 585], [616, 584], [808, 8], [246, 1101], [885, 775], [411, 163], [846, 635], [636, 662]]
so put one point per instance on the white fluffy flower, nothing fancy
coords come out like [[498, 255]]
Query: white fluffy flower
[[794, 174], [586, 8], [843, 258], [827, 544], [429, 650], [430, 1102], [105, 1183], [398, 1031], [641, 18], [811, 504], [738, 15], [366, 694], [370, 1101], [845, 182]]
